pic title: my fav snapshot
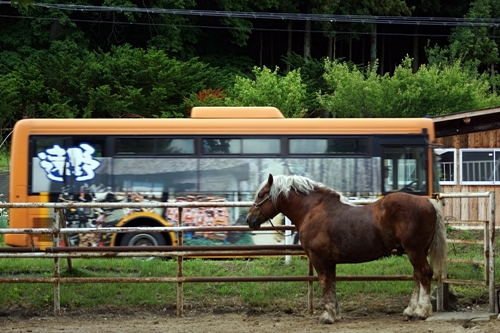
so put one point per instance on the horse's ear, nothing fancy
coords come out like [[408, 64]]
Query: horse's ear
[[270, 180]]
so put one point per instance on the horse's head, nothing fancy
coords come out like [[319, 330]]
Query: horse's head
[[263, 208]]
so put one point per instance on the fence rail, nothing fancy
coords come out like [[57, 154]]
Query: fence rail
[[488, 245], [180, 252]]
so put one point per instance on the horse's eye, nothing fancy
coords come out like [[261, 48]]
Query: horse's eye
[[259, 196]]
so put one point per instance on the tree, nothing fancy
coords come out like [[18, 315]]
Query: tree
[[432, 90], [381, 7], [479, 42], [126, 80], [433, 8], [311, 73], [23, 3], [287, 93]]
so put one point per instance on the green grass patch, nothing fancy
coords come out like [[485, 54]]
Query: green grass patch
[[279, 295], [4, 158], [4, 223]]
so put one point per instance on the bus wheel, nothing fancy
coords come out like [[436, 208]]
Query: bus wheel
[[154, 239]]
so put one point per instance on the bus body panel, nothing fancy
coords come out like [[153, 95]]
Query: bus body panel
[[182, 126], [398, 145]]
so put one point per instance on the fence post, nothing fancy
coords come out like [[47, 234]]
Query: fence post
[[491, 245], [62, 224], [180, 264], [441, 288], [57, 283], [288, 239], [310, 289]]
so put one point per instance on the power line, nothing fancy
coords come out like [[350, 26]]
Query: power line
[[336, 32], [362, 19]]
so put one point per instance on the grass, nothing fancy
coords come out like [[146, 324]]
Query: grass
[[4, 220], [201, 294], [278, 295], [4, 159]]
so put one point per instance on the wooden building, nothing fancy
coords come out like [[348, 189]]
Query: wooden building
[[469, 149]]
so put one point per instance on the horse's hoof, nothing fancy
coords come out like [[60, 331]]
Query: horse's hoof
[[412, 318], [422, 312], [326, 318]]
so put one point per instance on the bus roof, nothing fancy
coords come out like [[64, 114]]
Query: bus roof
[[236, 112], [234, 126]]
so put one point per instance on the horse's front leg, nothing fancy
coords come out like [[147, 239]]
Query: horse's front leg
[[327, 277]]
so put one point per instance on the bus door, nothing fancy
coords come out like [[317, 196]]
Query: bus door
[[405, 164]]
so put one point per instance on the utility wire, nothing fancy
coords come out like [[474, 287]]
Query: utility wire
[[337, 32], [396, 20]]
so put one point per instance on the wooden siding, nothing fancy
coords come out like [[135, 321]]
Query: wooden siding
[[473, 209]]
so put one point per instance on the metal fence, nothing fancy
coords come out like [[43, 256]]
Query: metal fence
[[180, 252], [488, 243]]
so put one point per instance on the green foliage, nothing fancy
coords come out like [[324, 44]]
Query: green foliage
[[241, 29], [436, 90], [207, 97], [23, 3], [4, 156], [287, 93], [10, 85], [476, 43], [126, 80], [432, 90], [4, 218], [311, 72], [355, 92]]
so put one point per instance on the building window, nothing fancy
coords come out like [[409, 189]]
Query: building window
[[447, 166], [480, 166]]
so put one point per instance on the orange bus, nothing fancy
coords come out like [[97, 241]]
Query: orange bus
[[218, 154]]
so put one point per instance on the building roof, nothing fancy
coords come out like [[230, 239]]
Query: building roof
[[467, 122]]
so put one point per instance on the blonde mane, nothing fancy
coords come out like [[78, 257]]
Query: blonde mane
[[283, 184]]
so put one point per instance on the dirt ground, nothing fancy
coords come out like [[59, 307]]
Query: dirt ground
[[107, 320]]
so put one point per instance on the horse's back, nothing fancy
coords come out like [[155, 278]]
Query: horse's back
[[407, 215], [410, 205]]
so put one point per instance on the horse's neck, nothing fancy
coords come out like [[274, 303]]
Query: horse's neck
[[294, 207]]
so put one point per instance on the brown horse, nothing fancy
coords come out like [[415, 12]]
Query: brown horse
[[334, 231]]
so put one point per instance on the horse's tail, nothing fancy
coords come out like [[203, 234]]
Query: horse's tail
[[438, 248]]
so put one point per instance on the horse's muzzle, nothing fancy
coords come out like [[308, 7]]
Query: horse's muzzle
[[252, 223]]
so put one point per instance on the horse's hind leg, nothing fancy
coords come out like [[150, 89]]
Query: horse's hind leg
[[410, 310], [327, 277], [420, 306]]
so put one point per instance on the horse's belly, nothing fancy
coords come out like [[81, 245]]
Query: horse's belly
[[361, 255]]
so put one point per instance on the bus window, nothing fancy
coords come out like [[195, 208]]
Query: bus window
[[347, 146], [58, 157], [97, 144], [239, 146], [307, 146], [135, 146], [175, 146], [261, 146], [221, 146], [330, 146], [43, 143], [405, 169]]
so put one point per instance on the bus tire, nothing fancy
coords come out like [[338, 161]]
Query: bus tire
[[143, 239]]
